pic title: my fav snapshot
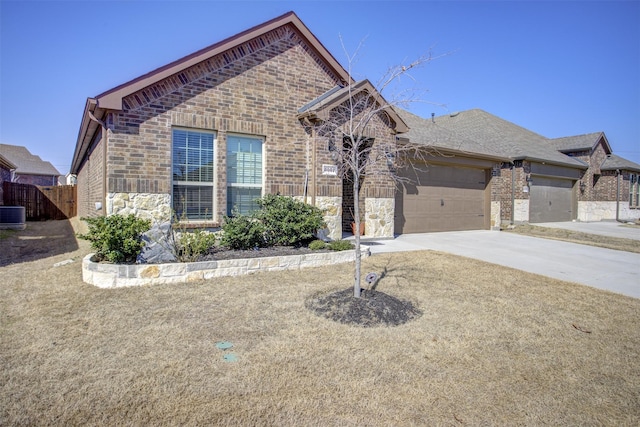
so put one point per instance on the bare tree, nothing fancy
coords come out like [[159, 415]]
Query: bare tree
[[356, 115]]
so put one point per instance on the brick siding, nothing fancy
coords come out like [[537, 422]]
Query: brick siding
[[256, 93], [90, 182]]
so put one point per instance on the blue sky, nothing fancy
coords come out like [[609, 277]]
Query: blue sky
[[557, 68]]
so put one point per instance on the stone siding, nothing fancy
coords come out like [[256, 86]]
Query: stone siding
[[496, 220], [332, 212], [115, 276], [521, 211], [156, 207], [600, 210], [379, 216]]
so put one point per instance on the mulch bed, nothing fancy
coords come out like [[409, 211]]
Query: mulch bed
[[372, 309], [221, 253]]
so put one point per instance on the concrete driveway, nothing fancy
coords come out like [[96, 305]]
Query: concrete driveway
[[612, 270]]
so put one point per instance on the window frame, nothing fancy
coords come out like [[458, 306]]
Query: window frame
[[235, 185], [184, 216]]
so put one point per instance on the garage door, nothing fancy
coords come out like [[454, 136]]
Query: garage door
[[551, 200], [441, 198]]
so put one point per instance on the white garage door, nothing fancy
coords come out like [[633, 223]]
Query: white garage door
[[551, 200]]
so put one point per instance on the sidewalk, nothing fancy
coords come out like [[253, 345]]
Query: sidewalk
[[604, 228]]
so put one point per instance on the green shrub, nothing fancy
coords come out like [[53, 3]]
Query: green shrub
[[340, 245], [317, 245], [191, 244], [288, 221], [116, 238], [242, 232]]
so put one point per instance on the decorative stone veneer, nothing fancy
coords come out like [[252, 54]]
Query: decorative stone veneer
[[496, 220], [521, 210], [598, 211], [115, 275], [156, 207], [332, 212], [379, 217]]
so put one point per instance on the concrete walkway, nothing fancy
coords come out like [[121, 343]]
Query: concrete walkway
[[616, 271]]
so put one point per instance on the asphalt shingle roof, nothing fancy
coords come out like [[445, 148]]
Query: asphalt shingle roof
[[480, 133], [613, 162], [577, 143], [27, 163]]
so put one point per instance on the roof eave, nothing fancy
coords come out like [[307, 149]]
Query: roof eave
[[320, 111], [112, 99], [551, 162], [84, 135], [450, 151]]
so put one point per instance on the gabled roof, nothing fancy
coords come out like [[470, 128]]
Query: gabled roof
[[96, 108], [112, 99], [614, 162], [585, 142], [321, 106], [27, 163], [477, 132]]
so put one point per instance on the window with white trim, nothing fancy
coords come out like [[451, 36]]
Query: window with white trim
[[244, 173], [193, 174], [634, 190]]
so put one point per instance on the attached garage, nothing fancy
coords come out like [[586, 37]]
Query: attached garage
[[551, 199], [442, 198]]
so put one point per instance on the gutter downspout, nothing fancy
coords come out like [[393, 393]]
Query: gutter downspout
[[104, 161]]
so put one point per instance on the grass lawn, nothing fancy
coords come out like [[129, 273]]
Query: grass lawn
[[494, 346]]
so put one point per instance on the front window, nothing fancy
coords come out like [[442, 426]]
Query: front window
[[193, 174], [244, 173]]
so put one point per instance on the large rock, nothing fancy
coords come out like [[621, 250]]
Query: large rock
[[158, 245]]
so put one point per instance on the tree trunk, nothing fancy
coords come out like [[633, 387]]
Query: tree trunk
[[356, 211]]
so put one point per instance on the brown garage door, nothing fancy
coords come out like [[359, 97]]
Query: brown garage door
[[441, 198], [551, 200]]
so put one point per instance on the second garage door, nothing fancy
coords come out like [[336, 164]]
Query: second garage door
[[551, 200], [441, 198]]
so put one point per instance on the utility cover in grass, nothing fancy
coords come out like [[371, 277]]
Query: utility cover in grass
[[223, 345], [372, 309], [230, 357]]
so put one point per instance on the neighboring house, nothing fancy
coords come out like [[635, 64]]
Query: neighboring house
[[609, 189], [29, 168], [236, 120], [533, 179], [6, 173]]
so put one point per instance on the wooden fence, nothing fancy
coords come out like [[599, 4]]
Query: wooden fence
[[42, 203]]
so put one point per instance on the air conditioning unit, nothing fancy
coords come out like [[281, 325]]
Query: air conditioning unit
[[12, 218]]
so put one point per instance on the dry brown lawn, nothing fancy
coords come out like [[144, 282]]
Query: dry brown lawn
[[617, 243], [494, 346]]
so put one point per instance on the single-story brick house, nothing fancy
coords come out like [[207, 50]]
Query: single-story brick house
[[28, 168], [234, 121]]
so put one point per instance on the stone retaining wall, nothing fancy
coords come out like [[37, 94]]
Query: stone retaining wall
[[117, 275]]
